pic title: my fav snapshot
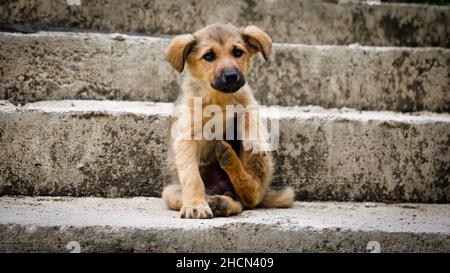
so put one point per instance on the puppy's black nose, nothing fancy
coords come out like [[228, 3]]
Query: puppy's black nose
[[230, 77], [228, 81]]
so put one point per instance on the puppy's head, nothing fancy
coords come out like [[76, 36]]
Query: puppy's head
[[218, 55]]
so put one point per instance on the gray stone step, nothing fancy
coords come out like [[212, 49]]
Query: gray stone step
[[58, 65], [44, 224], [113, 149], [291, 21]]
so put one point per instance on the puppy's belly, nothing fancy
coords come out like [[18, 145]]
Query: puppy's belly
[[216, 180]]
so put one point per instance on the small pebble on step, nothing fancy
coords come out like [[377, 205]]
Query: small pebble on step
[[118, 37]]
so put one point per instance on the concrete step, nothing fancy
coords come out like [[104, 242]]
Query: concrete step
[[44, 224], [59, 65], [113, 149], [291, 21]]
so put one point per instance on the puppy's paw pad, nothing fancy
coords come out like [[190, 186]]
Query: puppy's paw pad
[[219, 206], [223, 154]]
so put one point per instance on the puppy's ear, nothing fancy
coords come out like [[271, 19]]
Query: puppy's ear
[[178, 50], [258, 40]]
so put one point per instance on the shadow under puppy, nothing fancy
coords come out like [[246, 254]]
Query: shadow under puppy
[[219, 177]]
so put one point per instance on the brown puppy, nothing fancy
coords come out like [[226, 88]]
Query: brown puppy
[[215, 177]]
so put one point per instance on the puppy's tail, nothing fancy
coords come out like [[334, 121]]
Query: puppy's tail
[[278, 197]]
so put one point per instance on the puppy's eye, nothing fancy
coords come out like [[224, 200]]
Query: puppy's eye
[[210, 56], [237, 52]]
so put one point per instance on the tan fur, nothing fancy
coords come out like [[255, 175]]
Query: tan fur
[[282, 198], [260, 40], [178, 49], [250, 171]]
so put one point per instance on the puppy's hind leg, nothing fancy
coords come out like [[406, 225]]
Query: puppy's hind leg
[[260, 164], [223, 205], [172, 196], [248, 186]]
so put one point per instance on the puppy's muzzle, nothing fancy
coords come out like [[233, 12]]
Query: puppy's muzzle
[[229, 81]]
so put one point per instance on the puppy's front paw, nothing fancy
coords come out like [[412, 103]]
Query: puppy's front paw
[[196, 210]]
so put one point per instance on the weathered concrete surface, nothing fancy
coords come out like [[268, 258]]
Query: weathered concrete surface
[[84, 151], [84, 66], [292, 21], [55, 65], [145, 225], [110, 148]]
